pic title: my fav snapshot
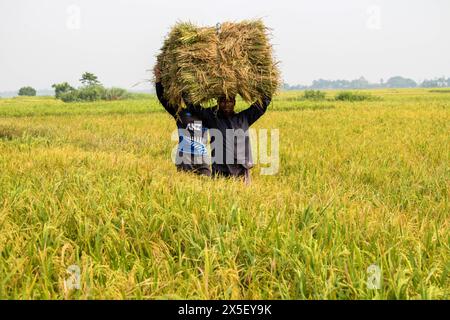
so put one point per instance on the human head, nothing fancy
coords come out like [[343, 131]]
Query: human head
[[226, 105]]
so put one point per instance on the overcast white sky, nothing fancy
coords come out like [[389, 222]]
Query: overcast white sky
[[48, 41]]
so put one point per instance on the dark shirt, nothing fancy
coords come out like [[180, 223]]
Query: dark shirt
[[230, 149], [192, 154]]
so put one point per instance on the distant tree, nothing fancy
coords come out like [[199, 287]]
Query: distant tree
[[61, 88], [400, 82], [428, 84], [352, 96], [436, 83], [89, 79], [331, 84], [314, 95], [359, 83], [27, 91], [115, 94], [442, 82], [286, 86], [362, 83], [90, 93], [70, 96]]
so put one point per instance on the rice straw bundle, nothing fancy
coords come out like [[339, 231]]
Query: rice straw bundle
[[206, 62]]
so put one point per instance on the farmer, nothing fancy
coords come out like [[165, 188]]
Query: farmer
[[229, 131], [192, 155]]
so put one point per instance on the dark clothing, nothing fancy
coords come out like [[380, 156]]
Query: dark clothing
[[192, 154], [230, 141], [222, 170], [200, 170]]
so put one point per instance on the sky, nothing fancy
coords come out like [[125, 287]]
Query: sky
[[48, 41]]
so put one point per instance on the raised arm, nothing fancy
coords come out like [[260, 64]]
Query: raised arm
[[256, 110], [160, 93]]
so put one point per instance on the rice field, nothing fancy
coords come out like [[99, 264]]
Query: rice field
[[360, 183]]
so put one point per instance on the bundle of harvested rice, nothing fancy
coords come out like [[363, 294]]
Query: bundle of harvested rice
[[205, 63]]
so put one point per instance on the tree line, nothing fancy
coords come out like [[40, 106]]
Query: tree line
[[90, 90], [362, 83]]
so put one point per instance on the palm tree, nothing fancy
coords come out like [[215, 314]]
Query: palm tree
[[89, 79]]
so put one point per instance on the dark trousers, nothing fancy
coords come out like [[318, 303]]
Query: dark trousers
[[199, 169], [220, 171]]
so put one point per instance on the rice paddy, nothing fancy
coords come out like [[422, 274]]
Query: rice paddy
[[360, 183]]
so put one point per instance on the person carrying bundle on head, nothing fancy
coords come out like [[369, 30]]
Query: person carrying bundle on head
[[231, 154], [192, 155]]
